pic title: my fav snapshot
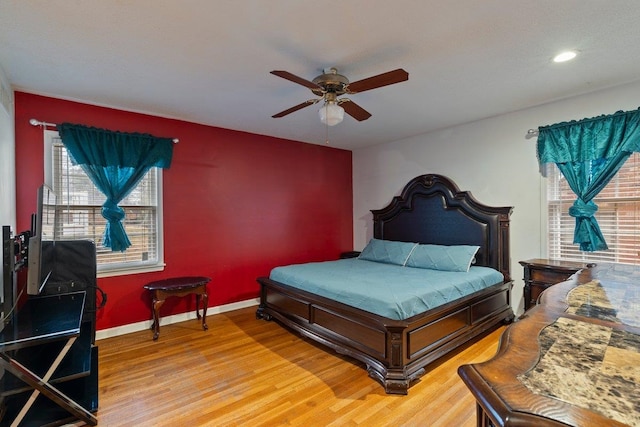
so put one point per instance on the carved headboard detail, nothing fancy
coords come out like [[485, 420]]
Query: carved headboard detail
[[432, 209]]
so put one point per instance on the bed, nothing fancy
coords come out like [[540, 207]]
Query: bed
[[396, 349]]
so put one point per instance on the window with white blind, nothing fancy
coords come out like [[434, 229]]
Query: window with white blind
[[79, 205], [618, 216]]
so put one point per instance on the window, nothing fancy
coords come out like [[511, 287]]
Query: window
[[79, 215], [618, 216]]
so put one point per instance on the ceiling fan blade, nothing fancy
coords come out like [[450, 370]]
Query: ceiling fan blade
[[296, 108], [291, 77], [384, 79], [354, 110]]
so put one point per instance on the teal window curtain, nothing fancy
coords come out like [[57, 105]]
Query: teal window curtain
[[115, 162], [589, 153]]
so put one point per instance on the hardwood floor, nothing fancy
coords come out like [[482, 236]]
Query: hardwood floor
[[248, 372]]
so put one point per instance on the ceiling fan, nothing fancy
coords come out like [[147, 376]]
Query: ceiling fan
[[330, 85]]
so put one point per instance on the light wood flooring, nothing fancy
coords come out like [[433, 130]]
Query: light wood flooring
[[249, 372]]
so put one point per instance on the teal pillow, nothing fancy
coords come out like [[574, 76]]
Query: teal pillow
[[387, 251], [445, 258]]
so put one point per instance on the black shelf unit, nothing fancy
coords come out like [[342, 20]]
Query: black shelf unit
[[73, 277], [83, 390], [76, 364]]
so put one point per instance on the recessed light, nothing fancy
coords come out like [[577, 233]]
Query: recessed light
[[565, 56]]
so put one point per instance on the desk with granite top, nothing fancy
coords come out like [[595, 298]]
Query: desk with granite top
[[572, 360]]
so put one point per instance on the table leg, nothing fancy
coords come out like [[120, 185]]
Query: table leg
[[205, 303], [155, 308]]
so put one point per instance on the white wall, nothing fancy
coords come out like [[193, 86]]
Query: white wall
[[492, 158], [7, 170], [7, 155]]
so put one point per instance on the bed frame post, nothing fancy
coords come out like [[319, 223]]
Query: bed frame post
[[505, 249]]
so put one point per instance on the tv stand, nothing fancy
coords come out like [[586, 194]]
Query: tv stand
[[48, 356], [49, 322]]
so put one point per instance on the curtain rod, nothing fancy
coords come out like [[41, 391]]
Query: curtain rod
[[532, 132], [34, 122]]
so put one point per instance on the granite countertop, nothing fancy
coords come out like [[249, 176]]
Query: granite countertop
[[590, 365], [621, 285], [612, 301]]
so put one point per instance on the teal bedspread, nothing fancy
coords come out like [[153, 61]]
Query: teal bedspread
[[392, 291]]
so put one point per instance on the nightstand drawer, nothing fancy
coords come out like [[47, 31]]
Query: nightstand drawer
[[550, 277]]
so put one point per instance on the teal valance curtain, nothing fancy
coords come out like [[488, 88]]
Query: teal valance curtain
[[115, 162], [589, 153]]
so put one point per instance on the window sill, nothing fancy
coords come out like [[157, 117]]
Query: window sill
[[131, 270]]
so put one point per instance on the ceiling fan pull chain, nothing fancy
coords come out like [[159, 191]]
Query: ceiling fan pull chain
[[326, 138]]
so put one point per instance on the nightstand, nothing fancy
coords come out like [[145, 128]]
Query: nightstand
[[539, 274], [350, 254]]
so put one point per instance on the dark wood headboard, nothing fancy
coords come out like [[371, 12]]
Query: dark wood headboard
[[432, 209]]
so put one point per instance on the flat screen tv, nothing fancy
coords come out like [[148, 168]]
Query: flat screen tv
[[43, 224]]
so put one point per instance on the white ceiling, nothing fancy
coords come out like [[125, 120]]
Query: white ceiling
[[208, 61]]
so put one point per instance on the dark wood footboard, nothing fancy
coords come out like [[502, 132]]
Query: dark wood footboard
[[395, 352]]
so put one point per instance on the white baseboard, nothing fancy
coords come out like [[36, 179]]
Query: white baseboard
[[175, 318]]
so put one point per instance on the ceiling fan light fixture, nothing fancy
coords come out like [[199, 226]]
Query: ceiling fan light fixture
[[331, 113]]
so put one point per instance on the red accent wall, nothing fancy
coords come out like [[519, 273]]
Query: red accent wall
[[235, 204]]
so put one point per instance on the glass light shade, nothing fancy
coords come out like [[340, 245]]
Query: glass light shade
[[331, 113]]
